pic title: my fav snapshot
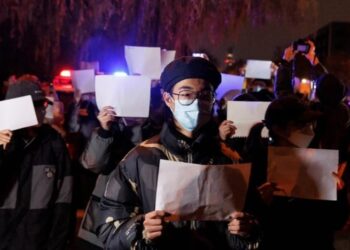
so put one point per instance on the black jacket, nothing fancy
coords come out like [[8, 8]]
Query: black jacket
[[131, 191], [36, 192]]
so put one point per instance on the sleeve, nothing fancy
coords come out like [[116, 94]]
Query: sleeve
[[283, 80], [62, 207], [250, 242], [97, 152], [120, 215], [318, 70]]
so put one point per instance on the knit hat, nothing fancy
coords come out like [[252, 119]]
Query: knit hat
[[189, 67]]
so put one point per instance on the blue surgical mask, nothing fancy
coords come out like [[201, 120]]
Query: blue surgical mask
[[189, 116]]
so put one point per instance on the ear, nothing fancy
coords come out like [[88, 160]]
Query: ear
[[169, 101]]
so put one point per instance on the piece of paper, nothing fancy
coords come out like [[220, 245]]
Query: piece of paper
[[145, 61], [258, 69], [167, 56], [84, 80], [245, 115], [228, 84], [129, 95], [304, 172], [201, 192], [95, 65], [17, 113]]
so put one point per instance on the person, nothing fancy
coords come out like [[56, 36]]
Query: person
[[292, 223], [108, 144], [127, 217], [36, 182], [295, 66], [330, 93], [81, 115]]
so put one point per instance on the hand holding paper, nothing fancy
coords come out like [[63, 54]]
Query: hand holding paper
[[241, 223], [5, 137], [303, 172], [338, 176], [227, 130], [153, 224], [106, 117]]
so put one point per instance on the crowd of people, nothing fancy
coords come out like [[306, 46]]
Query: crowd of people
[[114, 163]]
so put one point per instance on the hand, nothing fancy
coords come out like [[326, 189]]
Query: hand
[[266, 191], [153, 225], [5, 137], [289, 54], [311, 55], [106, 117], [338, 176], [226, 129], [242, 224]]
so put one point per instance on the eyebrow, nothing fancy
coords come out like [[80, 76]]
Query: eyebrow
[[186, 88], [206, 88]]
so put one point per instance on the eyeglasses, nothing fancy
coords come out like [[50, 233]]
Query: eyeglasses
[[187, 97]]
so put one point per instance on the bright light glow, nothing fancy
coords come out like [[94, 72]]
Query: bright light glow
[[120, 73], [304, 81], [65, 73]]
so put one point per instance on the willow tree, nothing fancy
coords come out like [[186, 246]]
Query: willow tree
[[36, 35]]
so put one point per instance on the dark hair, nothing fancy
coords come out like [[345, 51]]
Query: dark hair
[[280, 113], [330, 90], [284, 110]]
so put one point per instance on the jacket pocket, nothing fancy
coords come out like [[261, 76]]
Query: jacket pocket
[[43, 180]]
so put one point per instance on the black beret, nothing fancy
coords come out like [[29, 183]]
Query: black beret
[[189, 67]]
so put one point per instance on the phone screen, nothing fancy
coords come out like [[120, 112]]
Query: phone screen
[[303, 48]]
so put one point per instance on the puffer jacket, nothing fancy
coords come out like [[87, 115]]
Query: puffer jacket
[[131, 190], [101, 155]]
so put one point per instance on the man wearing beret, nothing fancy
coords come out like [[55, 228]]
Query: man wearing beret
[[127, 216]]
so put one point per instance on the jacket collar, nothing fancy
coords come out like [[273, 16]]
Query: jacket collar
[[180, 145]]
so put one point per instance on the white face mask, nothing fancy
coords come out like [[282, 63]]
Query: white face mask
[[302, 137], [191, 116]]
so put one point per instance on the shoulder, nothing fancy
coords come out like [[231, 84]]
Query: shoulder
[[48, 133], [146, 150], [145, 155]]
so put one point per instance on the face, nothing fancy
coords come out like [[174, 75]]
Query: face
[[296, 134], [189, 90], [191, 102]]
